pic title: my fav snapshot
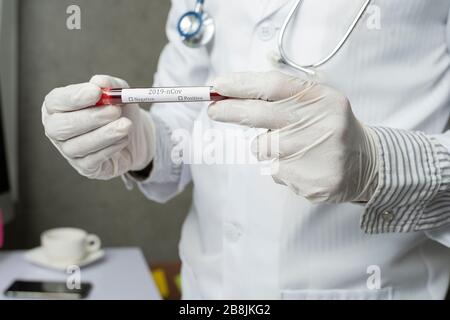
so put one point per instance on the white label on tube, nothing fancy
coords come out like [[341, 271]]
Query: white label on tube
[[153, 95]]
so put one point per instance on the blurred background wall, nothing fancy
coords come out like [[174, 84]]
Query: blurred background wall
[[117, 37]]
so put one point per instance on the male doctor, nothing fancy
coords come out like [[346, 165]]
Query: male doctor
[[359, 205]]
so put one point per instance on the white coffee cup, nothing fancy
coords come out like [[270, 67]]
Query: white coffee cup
[[69, 245]]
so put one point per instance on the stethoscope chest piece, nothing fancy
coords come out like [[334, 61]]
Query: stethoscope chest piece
[[196, 28]]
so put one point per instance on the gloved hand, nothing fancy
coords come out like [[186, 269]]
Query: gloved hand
[[325, 154], [99, 142]]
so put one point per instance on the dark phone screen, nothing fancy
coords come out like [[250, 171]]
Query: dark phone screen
[[56, 290]]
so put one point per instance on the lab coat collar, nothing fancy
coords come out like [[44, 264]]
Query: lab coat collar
[[274, 6]]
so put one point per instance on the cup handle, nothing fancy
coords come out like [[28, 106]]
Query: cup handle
[[93, 243]]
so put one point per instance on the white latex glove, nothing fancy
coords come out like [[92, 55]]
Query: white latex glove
[[99, 142], [325, 154]]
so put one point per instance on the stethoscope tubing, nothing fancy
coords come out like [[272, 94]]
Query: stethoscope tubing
[[309, 69], [284, 57]]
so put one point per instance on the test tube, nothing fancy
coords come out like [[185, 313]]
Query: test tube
[[115, 96]]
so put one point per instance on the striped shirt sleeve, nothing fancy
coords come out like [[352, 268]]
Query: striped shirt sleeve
[[413, 192]]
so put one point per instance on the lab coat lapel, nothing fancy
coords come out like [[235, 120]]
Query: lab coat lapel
[[259, 10], [273, 6]]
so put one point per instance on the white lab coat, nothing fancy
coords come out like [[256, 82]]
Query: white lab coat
[[247, 237]]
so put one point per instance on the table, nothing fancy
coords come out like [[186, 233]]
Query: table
[[122, 274]]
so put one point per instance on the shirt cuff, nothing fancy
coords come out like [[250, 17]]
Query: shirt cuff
[[437, 213], [413, 174]]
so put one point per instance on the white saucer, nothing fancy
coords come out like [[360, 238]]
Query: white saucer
[[38, 257]]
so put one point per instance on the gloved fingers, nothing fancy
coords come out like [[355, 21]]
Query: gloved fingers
[[276, 144], [117, 165], [131, 110], [269, 86], [94, 164], [252, 113], [284, 176], [302, 176], [299, 139], [72, 98], [66, 125], [104, 81], [266, 146], [113, 133], [278, 180]]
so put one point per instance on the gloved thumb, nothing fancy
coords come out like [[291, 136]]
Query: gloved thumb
[[269, 86], [104, 81]]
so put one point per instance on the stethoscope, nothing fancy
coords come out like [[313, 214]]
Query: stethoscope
[[197, 29]]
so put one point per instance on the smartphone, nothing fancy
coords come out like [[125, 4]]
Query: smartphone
[[46, 290]]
